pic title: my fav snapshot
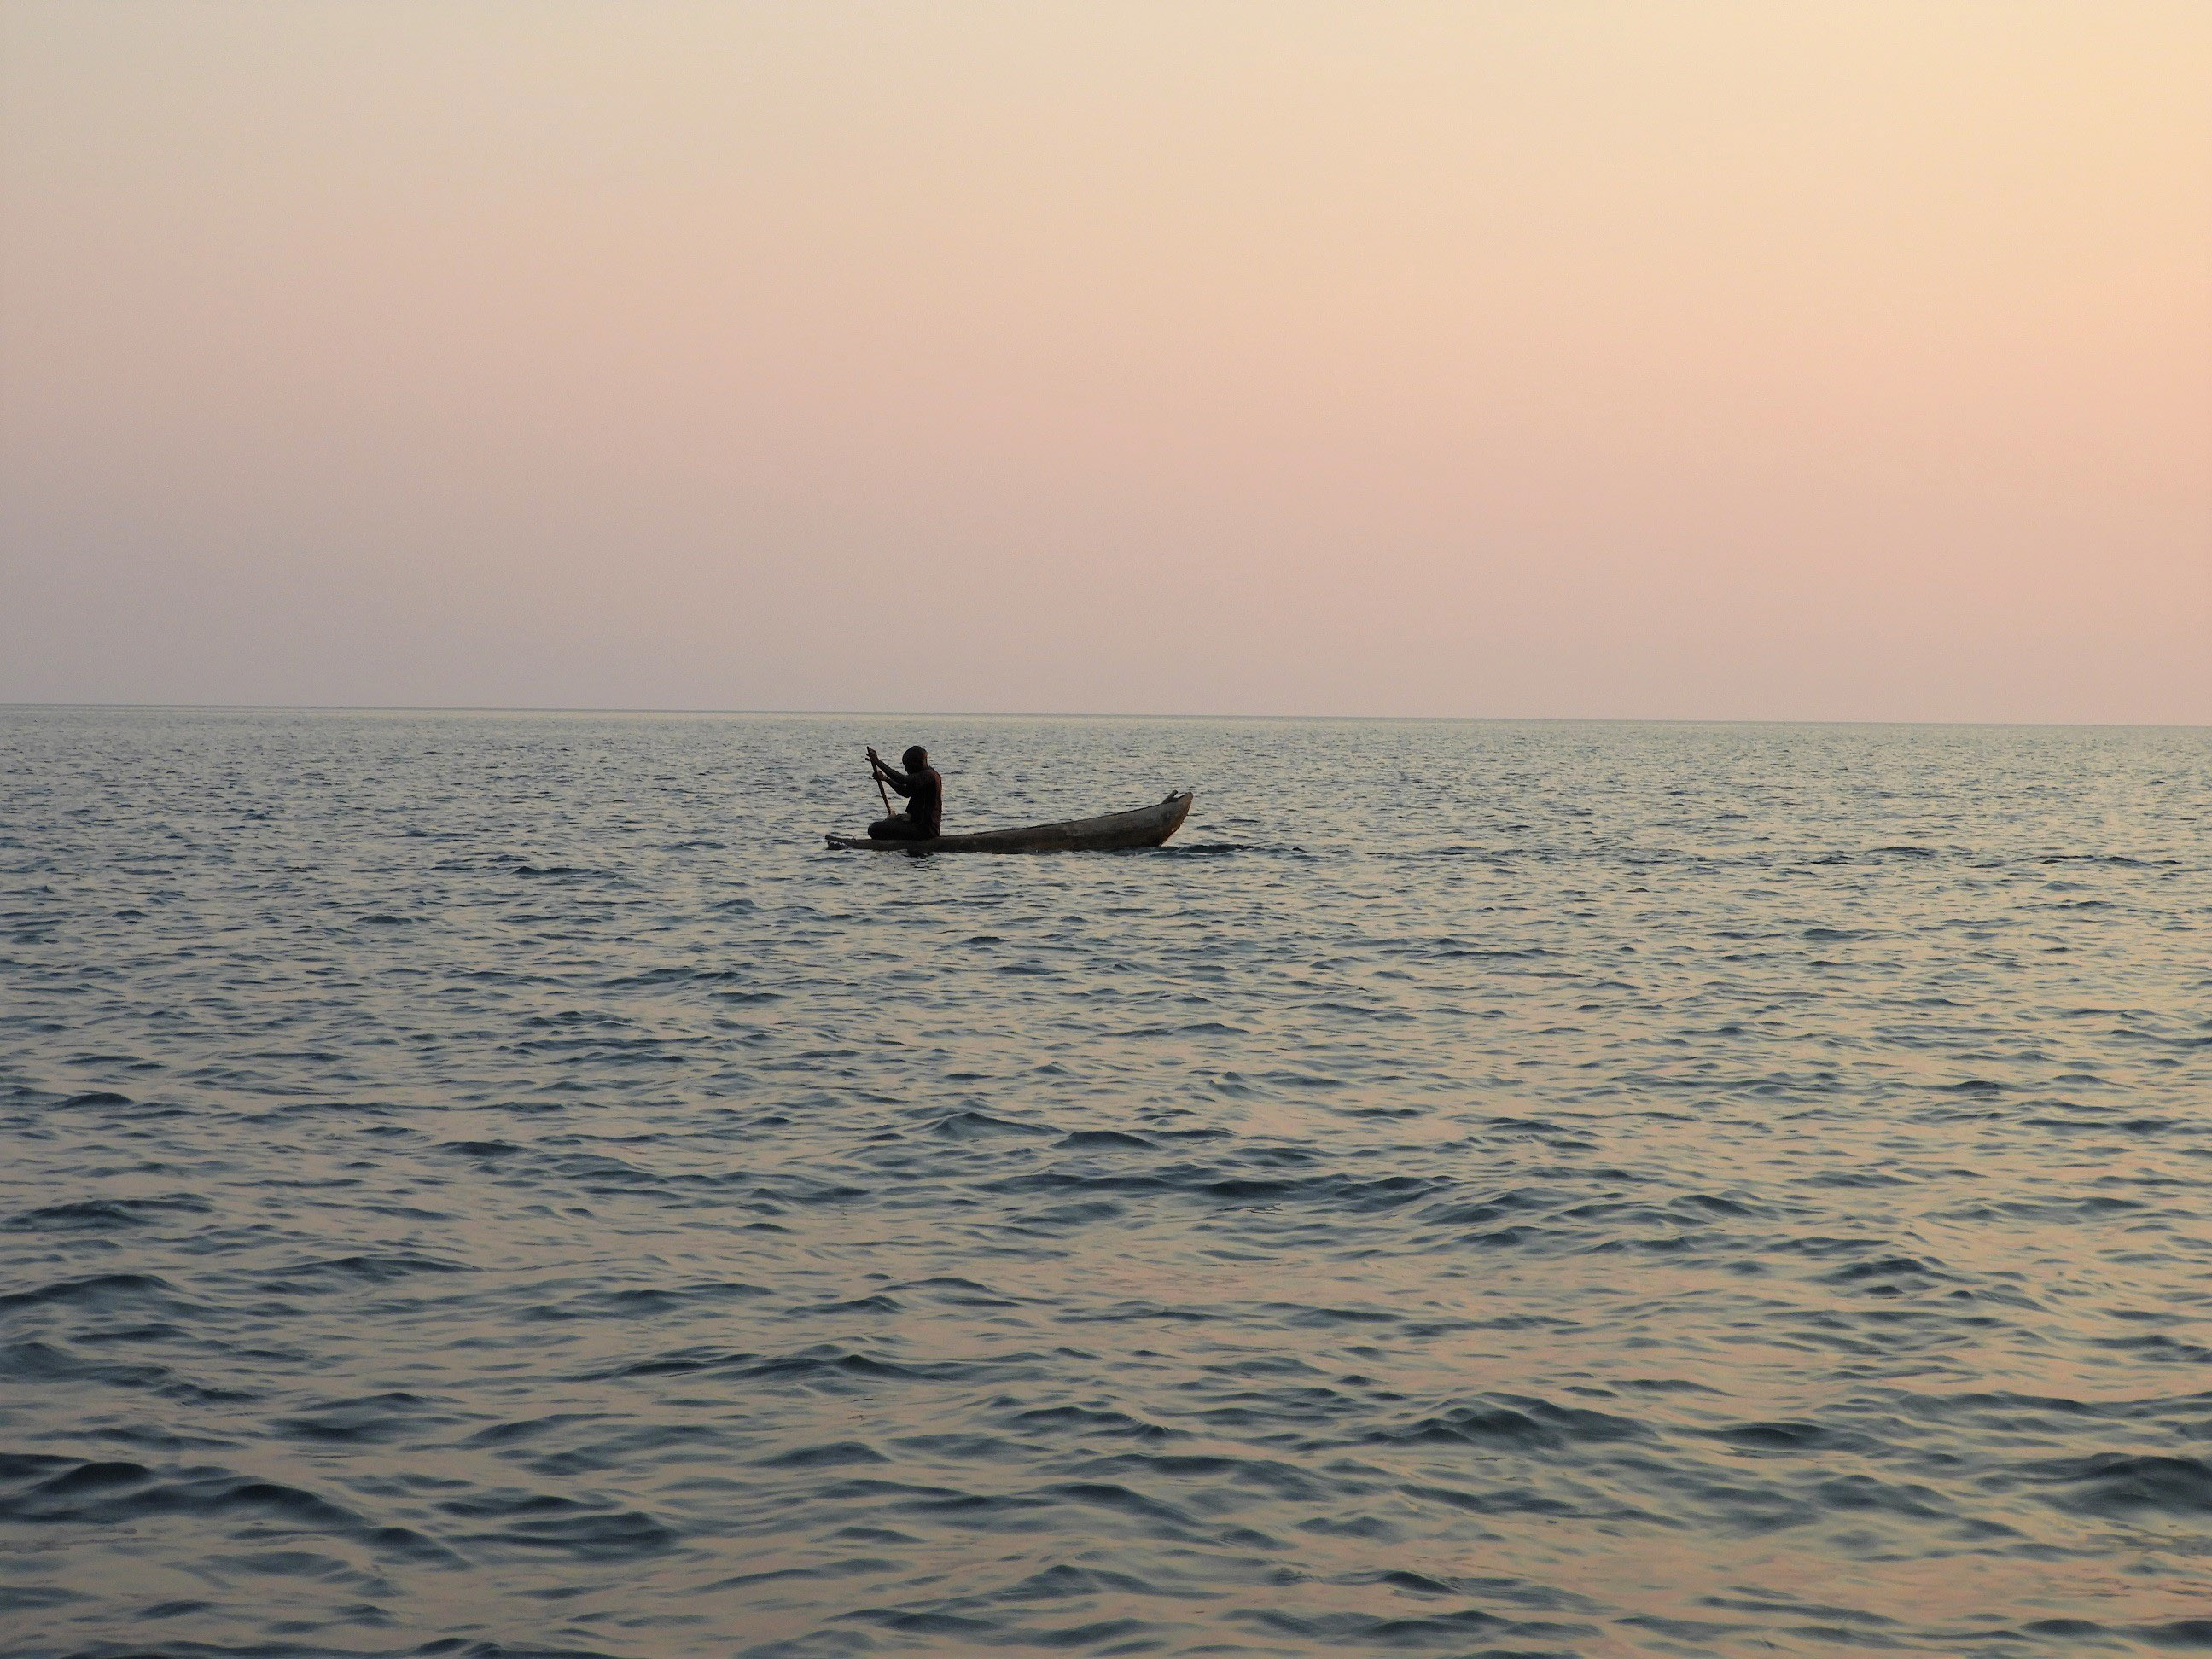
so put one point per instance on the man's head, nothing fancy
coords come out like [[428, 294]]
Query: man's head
[[915, 756]]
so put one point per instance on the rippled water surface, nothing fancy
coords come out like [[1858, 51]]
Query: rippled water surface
[[482, 1183]]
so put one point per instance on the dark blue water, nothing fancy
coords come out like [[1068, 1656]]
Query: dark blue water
[[490, 1183]]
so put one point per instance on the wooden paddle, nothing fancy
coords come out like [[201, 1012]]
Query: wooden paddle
[[880, 790]]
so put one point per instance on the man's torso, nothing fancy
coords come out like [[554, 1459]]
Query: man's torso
[[924, 801]]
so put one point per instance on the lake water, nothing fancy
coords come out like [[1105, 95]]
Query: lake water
[[494, 1183]]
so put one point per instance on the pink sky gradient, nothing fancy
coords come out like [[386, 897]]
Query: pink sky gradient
[[1821, 360]]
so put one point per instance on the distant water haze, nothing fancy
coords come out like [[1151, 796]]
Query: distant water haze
[[1810, 361]]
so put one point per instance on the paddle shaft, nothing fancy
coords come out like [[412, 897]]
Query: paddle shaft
[[880, 790]]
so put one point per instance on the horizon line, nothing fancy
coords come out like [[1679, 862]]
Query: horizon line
[[1089, 714]]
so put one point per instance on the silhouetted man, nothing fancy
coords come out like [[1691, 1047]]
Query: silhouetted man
[[925, 798]]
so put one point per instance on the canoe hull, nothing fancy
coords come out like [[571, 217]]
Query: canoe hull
[[1147, 826]]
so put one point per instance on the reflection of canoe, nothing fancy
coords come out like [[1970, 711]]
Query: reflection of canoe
[[1148, 826]]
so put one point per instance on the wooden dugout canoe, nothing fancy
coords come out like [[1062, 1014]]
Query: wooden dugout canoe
[[1147, 826]]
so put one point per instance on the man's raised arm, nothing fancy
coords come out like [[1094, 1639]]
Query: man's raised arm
[[890, 775]]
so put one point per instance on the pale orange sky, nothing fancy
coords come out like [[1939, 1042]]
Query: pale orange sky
[[1768, 361]]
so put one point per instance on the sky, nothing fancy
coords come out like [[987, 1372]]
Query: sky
[[1835, 360]]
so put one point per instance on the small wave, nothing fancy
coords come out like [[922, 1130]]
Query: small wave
[[651, 1301], [545, 1522], [51, 1490], [371, 1419], [1106, 1138], [1084, 1422], [100, 1291], [1514, 1421], [38, 1362], [835, 1455], [859, 1304], [674, 977], [1378, 1633], [1784, 1437], [2118, 1484], [2117, 860], [362, 1269], [827, 1363], [1886, 1271], [971, 1125], [99, 1214], [1332, 1191]]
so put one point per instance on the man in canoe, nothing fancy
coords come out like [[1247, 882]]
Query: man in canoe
[[925, 798]]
